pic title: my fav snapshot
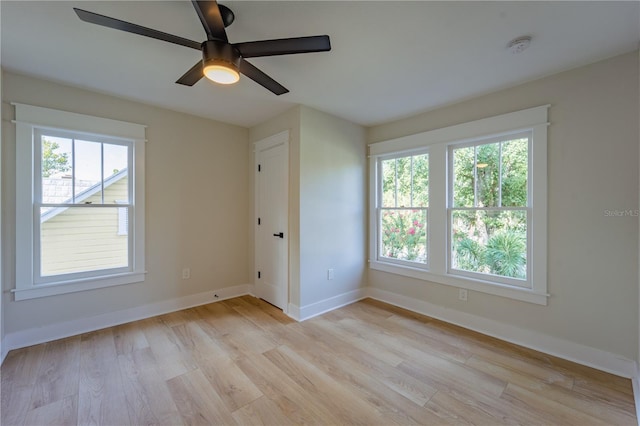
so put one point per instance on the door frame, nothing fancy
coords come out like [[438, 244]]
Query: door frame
[[281, 138]]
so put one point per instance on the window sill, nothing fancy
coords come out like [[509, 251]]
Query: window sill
[[44, 290], [497, 289]]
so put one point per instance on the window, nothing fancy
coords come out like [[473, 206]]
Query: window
[[488, 208], [465, 205], [404, 202], [71, 233]]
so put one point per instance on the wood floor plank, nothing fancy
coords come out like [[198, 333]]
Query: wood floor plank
[[366, 313], [228, 323], [595, 407], [147, 395], [231, 384], [223, 318], [415, 390], [167, 348], [197, 401], [128, 338], [544, 373], [446, 374], [18, 376], [285, 393], [405, 342], [261, 412], [358, 341], [620, 401], [61, 412], [390, 400], [101, 392], [58, 374], [458, 413], [253, 307], [267, 318], [244, 361], [200, 346], [173, 319], [555, 412], [394, 310], [538, 363], [324, 389], [478, 405]]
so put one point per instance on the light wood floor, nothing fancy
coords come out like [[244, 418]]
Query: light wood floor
[[242, 361]]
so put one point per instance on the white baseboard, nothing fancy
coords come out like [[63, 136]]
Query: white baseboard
[[34, 336], [561, 348], [293, 311], [326, 305]]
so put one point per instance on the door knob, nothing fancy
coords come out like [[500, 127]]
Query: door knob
[[281, 235]]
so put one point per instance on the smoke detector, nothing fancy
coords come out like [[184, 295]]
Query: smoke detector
[[519, 44]]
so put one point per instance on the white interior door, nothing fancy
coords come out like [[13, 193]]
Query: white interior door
[[272, 220]]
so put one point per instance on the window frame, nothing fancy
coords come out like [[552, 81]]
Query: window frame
[[527, 208], [30, 122], [438, 143], [380, 208]]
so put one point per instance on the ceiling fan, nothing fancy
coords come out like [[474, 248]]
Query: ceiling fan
[[222, 61]]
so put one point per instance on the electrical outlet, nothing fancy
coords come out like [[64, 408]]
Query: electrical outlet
[[462, 294], [330, 274], [186, 273]]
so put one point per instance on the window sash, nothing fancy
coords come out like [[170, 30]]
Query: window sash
[[409, 263], [39, 133], [518, 282], [379, 176], [528, 135]]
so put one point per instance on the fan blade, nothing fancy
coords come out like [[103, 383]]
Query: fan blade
[[192, 76], [117, 24], [209, 14], [261, 78], [284, 46]]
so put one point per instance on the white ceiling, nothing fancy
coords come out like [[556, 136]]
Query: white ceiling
[[389, 59]]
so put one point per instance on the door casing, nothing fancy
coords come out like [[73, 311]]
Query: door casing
[[280, 139]]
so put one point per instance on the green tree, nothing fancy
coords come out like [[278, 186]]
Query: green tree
[[504, 254], [52, 160]]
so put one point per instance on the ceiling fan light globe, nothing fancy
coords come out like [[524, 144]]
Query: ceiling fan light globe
[[221, 74]]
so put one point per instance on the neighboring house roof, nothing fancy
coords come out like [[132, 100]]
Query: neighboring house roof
[[84, 195]]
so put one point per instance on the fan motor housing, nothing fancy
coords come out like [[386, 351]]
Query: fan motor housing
[[214, 51]]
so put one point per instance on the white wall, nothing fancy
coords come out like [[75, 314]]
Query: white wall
[[197, 174], [593, 167], [327, 204], [333, 166]]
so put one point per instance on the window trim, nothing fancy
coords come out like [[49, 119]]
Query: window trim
[[28, 119], [438, 142]]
